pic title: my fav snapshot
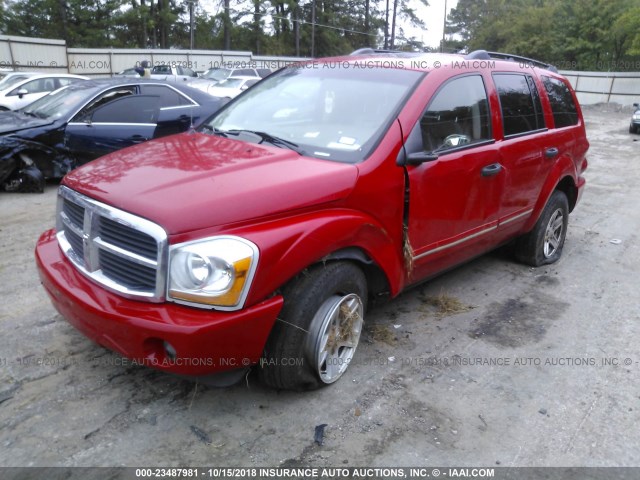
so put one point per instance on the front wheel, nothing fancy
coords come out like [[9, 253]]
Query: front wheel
[[317, 333], [543, 245]]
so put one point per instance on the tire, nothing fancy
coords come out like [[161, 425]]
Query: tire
[[543, 245], [633, 129], [323, 306]]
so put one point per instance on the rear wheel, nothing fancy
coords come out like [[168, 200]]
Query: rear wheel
[[318, 330], [543, 244]]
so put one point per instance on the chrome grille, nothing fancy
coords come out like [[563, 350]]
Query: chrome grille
[[123, 252]]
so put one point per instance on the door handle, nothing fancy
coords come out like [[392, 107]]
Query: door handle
[[551, 152], [491, 170]]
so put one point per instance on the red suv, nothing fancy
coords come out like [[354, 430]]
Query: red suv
[[261, 238]]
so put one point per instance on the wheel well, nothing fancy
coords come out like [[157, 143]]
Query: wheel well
[[568, 187], [376, 279]]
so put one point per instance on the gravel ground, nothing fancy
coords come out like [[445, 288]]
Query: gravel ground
[[525, 367]]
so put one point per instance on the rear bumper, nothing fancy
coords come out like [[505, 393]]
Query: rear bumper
[[206, 341]]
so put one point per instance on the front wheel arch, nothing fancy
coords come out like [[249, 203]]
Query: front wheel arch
[[318, 330]]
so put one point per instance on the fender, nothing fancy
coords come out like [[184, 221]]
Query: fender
[[288, 246], [563, 172], [18, 153]]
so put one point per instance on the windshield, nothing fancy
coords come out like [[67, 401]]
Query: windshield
[[217, 74], [57, 104], [332, 113]]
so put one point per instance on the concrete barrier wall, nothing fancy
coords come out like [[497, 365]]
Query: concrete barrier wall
[[37, 54], [605, 87]]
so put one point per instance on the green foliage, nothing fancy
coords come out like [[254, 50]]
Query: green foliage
[[277, 27], [572, 34]]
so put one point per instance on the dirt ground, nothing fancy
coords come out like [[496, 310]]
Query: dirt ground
[[522, 366]]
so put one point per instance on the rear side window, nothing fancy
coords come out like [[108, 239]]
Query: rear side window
[[168, 96], [520, 103], [563, 107], [458, 115]]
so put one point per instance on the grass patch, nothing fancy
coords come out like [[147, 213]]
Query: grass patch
[[446, 305], [382, 333]]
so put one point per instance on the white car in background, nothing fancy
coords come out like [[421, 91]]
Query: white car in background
[[227, 89], [8, 78], [30, 89]]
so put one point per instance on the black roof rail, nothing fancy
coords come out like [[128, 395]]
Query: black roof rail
[[369, 51], [374, 51], [484, 55]]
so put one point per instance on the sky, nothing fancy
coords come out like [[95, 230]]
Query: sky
[[433, 16]]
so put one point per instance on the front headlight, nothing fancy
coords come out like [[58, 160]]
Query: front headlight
[[214, 272], [636, 116]]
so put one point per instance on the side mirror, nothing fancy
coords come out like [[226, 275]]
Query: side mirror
[[419, 158], [22, 92]]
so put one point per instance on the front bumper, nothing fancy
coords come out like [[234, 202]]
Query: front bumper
[[205, 341]]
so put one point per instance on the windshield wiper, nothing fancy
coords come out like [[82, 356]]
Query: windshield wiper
[[267, 137], [214, 130]]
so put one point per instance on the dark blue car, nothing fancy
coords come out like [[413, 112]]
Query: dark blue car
[[83, 121]]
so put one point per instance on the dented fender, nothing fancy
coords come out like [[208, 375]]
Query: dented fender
[[290, 245]]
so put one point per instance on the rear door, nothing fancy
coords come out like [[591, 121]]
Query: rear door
[[177, 110], [117, 124], [523, 147]]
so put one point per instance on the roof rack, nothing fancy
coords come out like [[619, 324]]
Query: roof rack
[[369, 51], [484, 55], [373, 51]]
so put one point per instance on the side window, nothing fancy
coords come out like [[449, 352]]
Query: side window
[[161, 70], [134, 109], [168, 96], [520, 103], [36, 86], [563, 107], [457, 115], [189, 72], [249, 72], [106, 97]]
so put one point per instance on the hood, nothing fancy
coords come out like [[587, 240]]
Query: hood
[[13, 121], [193, 181]]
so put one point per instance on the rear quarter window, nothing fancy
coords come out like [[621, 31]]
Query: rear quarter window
[[565, 113]]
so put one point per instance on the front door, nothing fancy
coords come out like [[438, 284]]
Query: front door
[[454, 196]]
